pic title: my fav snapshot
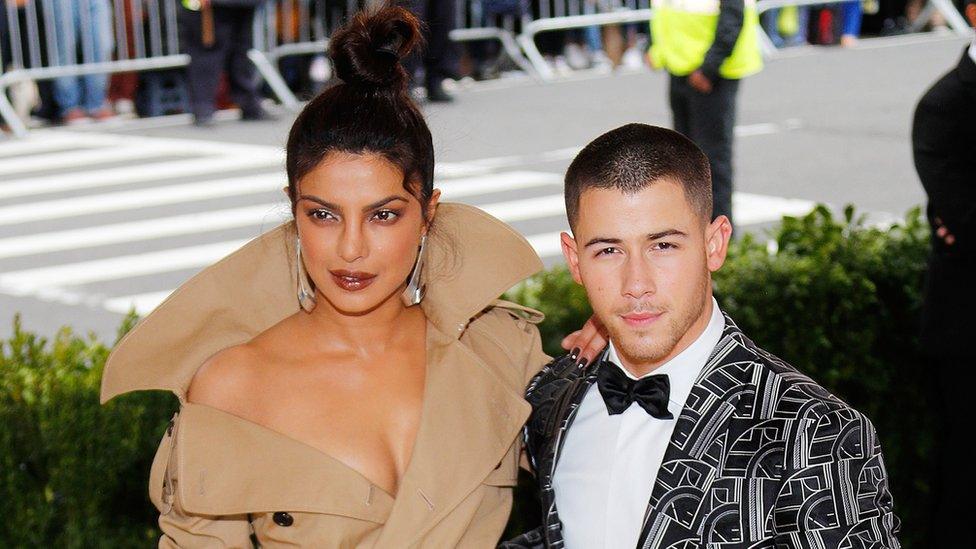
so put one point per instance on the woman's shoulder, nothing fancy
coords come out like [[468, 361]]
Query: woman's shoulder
[[224, 377], [231, 373]]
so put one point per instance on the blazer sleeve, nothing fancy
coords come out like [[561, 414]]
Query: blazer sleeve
[[181, 529], [839, 489]]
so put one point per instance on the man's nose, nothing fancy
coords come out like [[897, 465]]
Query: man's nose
[[638, 278]]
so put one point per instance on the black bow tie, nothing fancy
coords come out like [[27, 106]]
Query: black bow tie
[[620, 391]]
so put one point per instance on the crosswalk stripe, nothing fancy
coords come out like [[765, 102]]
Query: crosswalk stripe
[[131, 175], [34, 144], [142, 303], [499, 182], [528, 208], [117, 233], [748, 208], [546, 244], [78, 159], [155, 196], [85, 272], [236, 186]]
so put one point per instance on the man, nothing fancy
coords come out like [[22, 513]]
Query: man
[[944, 143], [439, 58], [217, 35], [707, 46], [683, 433]]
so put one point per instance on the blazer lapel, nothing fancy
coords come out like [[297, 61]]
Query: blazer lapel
[[469, 424], [690, 463]]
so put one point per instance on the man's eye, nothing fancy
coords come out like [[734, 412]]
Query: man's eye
[[386, 215], [665, 246], [607, 251]]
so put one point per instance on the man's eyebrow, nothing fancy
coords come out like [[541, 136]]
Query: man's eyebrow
[[665, 234], [602, 240]]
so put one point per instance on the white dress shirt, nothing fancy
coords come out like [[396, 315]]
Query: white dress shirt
[[608, 464], [972, 51]]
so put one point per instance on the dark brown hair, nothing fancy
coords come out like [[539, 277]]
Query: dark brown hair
[[634, 156], [370, 110]]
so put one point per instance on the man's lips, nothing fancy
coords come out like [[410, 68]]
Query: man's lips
[[352, 281], [641, 319]]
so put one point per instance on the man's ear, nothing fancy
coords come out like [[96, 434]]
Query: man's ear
[[717, 237], [571, 254]]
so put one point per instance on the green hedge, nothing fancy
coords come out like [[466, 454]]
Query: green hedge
[[837, 299], [72, 473]]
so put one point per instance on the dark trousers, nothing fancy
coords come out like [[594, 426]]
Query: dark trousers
[[953, 487], [232, 39], [709, 121], [439, 57]]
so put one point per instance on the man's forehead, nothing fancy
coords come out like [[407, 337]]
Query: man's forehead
[[661, 204]]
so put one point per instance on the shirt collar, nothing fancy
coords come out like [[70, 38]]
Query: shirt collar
[[683, 369]]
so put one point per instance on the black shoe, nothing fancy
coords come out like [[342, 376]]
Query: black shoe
[[436, 93], [204, 121], [257, 115]]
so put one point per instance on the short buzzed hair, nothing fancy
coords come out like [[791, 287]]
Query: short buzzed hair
[[633, 157]]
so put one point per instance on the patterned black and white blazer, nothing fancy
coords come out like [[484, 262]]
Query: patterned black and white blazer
[[761, 457]]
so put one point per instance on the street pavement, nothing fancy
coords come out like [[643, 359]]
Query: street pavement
[[99, 220]]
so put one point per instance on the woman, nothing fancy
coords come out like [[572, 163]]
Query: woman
[[348, 379]]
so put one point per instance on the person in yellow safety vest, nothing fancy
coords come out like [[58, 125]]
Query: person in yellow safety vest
[[707, 46]]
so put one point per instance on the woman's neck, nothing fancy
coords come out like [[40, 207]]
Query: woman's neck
[[366, 333]]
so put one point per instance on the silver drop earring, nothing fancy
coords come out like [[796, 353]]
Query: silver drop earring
[[306, 297], [414, 292]]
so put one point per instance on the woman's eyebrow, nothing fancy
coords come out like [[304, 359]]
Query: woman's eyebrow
[[384, 202]]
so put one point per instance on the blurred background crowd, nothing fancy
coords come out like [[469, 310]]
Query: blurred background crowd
[[202, 48]]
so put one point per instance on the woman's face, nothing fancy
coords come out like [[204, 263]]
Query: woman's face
[[360, 230]]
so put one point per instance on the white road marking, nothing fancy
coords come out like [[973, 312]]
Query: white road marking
[[85, 272], [142, 303], [137, 174], [749, 209], [133, 231]]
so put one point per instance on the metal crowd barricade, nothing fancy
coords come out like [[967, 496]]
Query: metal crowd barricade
[[472, 22], [294, 27], [40, 43], [955, 20]]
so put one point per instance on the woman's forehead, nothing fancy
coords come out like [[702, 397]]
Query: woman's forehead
[[352, 178]]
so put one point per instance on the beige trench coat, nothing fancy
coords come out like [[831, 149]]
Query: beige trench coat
[[218, 478]]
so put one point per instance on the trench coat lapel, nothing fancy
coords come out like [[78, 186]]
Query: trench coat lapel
[[275, 473]]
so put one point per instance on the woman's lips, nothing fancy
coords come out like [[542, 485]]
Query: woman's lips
[[641, 319], [352, 281]]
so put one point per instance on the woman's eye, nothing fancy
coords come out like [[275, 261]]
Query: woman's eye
[[321, 215], [386, 215]]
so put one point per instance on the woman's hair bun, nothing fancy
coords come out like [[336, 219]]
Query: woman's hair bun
[[367, 50]]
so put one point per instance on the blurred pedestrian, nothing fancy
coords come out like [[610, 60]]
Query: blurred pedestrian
[[84, 29], [439, 58], [217, 35], [944, 144], [707, 46]]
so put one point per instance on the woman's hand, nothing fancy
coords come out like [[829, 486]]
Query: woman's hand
[[587, 342]]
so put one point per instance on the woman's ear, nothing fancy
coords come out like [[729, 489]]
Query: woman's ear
[[435, 198]]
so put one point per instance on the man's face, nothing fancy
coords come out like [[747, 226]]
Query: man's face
[[646, 260]]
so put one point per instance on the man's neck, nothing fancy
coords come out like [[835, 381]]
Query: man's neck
[[640, 369]]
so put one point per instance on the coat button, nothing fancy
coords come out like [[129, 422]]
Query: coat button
[[283, 519]]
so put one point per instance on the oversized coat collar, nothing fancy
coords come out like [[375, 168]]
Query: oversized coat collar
[[472, 258], [472, 409]]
